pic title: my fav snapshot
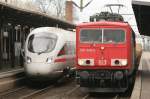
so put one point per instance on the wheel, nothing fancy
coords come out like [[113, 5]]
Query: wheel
[[66, 72]]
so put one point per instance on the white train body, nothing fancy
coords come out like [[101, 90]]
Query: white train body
[[48, 52]]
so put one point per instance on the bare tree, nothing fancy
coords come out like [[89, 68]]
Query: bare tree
[[51, 7], [60, 7], [44, 4]]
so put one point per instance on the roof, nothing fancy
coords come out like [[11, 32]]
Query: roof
[[28, 14], [141, 2], [142, 14], [106, 23], [50, 30]]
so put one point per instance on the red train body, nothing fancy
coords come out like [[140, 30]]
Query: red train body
[[105, 56]]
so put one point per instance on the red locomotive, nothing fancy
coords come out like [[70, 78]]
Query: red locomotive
[[106, 58]]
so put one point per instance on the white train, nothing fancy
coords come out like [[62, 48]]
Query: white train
[[49, 52]]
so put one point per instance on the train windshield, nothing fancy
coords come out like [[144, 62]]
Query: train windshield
[[102, 35], [42, 43], [91, 35], [113, 36]]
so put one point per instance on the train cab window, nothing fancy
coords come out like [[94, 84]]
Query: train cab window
[[113, 36], [43, 43], [91, 35], [102, 35]]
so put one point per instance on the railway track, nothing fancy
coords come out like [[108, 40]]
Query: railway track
[[28, 92], [69, 90], [17, 94], [36, 93], [80, 95], [61, 90], [54, 91], [23, 92], [108, 96]]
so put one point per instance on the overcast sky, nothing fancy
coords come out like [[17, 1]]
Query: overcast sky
[[98, 5]]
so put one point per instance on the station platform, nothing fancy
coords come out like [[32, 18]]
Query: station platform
[[142, 84]]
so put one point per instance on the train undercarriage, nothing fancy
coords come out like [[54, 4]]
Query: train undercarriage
[[104, 80]]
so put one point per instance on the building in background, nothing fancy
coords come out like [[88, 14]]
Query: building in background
[[71, 12]]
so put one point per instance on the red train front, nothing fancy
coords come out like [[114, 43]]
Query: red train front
[[105, 56]]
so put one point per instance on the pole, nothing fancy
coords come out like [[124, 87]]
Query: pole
[[81, 5]]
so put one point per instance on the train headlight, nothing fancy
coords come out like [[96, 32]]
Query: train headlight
[[28, 59], [81, 62], [49, 60], [124, 62], [86, 62], [119, 62]]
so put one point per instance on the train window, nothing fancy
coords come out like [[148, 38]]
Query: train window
[[91, 35], [113, 36], [42, 43]]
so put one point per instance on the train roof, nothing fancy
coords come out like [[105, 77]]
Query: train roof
[[104, 23], [50, 30]]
